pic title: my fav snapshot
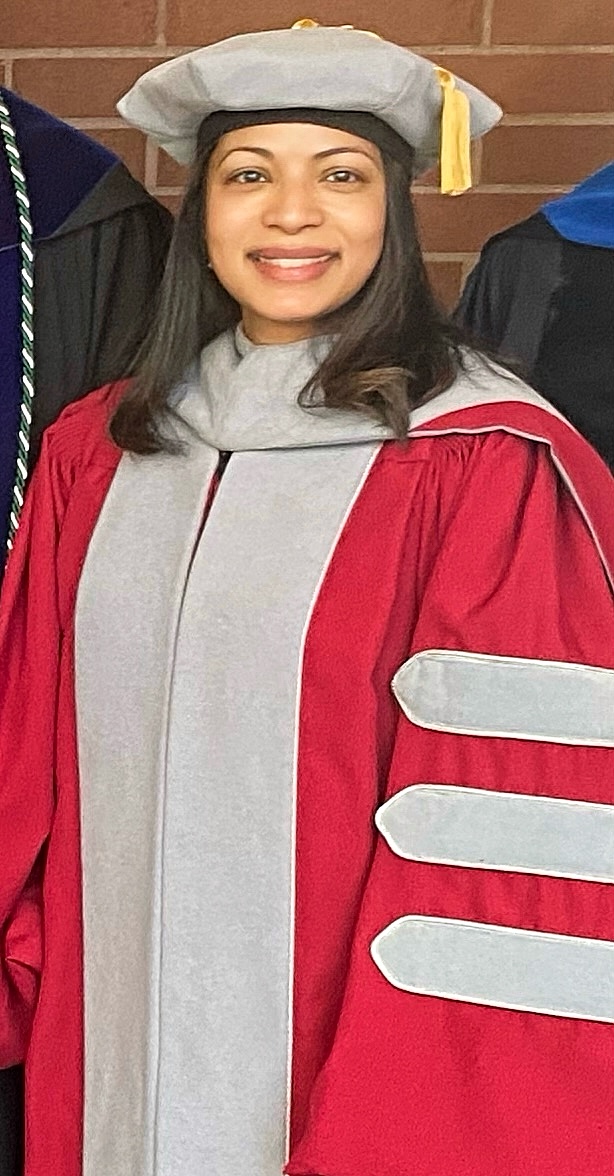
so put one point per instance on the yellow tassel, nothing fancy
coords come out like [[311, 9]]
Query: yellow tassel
[[455, 150]]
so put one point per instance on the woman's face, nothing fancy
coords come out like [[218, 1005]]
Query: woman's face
[[294, 223]]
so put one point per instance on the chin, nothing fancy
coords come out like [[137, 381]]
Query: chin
[[297, 311]]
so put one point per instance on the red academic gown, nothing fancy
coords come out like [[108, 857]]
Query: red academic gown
[[468, 539]]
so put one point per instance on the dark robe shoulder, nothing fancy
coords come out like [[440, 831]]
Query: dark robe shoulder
[[546, 303], [100, 242], [501, 303]]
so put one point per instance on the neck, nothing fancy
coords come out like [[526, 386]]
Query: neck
[[269, 333]]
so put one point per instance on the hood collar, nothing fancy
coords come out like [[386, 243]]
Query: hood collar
[[586, 214], [249, 398]]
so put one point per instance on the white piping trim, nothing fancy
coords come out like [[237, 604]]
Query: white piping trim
[[503, 428], [430, 692], [476, 828], [299, 696], [489, 964]]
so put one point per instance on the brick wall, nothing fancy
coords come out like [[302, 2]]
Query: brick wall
[[550, 64]]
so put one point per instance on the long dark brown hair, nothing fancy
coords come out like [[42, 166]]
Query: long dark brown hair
[[394, 347]]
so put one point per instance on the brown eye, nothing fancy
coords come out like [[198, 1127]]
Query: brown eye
[[248, 175], [343, 175]]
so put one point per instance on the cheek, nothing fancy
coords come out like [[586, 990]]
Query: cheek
[[227, 236], [365, 231], [224, 228], [378, 220], [366, 218]]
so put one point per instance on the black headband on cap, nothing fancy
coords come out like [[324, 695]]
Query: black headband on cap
[[355, 122]]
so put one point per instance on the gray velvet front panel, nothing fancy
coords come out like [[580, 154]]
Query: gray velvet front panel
[[127, 609], [187, 684], [229, 814]]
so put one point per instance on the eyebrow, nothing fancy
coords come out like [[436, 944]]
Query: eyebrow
[[319, 155]]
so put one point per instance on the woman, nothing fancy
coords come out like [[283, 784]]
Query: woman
[[303, 736]]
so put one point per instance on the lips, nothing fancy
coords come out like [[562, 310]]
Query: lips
[[304, 253], [294, 262], [293, 265]]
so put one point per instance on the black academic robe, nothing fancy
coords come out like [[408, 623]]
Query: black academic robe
[[547, 302], [100, 246]]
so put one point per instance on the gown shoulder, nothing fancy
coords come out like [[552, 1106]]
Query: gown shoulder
[[80, 436]]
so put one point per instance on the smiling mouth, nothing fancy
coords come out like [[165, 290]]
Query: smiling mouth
[[294, 262], [292, 267]]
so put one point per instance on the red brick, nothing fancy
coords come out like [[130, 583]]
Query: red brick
[[553, 22], [429, 179], [541, 83], [545, 154], [421, 22], [446, 279], [170, 173], [461, 224], [57, 23], [78, 87], [128, 144], [170, 202]]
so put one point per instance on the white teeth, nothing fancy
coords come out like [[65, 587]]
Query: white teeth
[[291, 262]]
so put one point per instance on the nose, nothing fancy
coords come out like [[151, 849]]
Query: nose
[[293, 206]]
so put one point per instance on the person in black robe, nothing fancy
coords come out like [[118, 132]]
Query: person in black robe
[[99, 245], [542, 293], [99, 242]]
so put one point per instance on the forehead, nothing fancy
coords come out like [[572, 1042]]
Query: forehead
[[292, 139]]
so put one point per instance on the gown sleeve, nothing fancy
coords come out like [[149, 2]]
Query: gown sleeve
[[507, 299], [448, 1053], [487, 296], [29, 664]]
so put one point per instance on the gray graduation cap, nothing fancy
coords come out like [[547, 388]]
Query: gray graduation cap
[[313, 67]]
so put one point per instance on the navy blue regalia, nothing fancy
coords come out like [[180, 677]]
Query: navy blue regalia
[[100, 242], [542, 292]]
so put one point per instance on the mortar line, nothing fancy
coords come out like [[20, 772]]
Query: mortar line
[[111, 123], [487, 15], [151, 165], [457, 258], [467, 266], [165, 50], [161, 13], [552, 118]]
